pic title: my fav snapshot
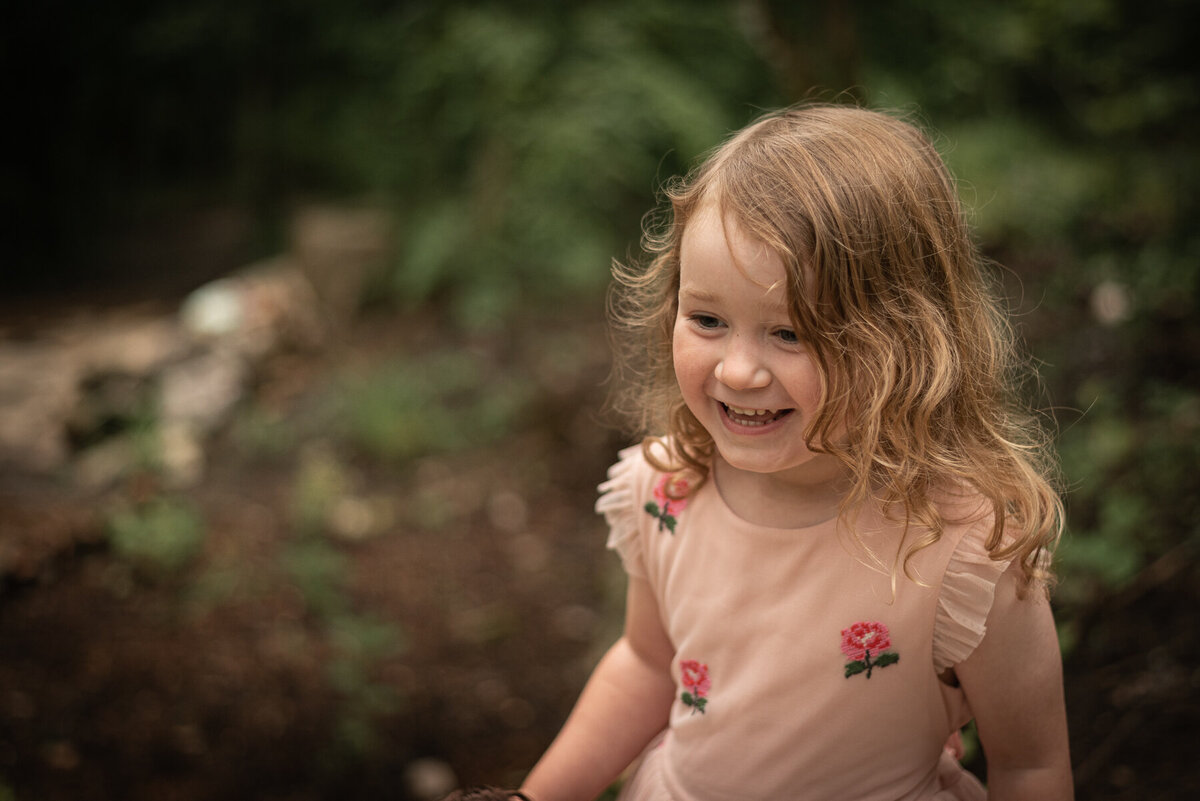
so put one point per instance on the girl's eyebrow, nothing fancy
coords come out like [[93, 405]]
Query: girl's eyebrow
[[707, 297], [699, 295]]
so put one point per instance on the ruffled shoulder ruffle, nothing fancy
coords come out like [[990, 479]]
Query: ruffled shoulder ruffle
[[967, 592], [621, 500]]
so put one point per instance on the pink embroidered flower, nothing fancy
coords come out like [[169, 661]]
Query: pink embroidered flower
[[696, 684], [671, 492], [861, 637], [695, 677], [865, 645]]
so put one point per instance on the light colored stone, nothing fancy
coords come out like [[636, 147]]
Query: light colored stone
[[337, 247], [182, 454], [429, 779], [39, 386], [200, 392], [266, 305], [103, 464]]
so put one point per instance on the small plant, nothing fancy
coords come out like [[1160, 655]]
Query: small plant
[[160, 536], [361, 642], [318, 570], [441, 402], [321, 481], [262, 433]]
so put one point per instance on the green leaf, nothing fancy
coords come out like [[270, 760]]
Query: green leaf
[[854, 668], [887, 658]]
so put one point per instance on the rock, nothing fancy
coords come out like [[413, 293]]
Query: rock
[[429, 779], [201, 391], [355, 519], [265, 306], [1111, 303], [337, 247], [78, 380], [94, 376], [107, 402], [134, 343], [103, 464], [181, 450], [38, 391]]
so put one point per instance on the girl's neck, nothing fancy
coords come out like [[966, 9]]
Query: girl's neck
[[783, 500]]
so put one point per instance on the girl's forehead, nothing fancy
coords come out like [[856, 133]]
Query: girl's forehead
[[717, 255], [713, 227], [715, 236]]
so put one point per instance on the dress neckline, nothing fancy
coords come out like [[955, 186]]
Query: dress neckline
[[727, 509]]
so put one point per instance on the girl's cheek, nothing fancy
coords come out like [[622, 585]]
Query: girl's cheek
[[691, 358]]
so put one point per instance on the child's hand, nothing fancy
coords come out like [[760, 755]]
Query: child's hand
[[486, 794], [954, 746]]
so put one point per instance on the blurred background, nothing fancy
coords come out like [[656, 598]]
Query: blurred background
[[302, 360]]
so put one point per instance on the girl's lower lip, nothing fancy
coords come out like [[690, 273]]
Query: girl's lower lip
[[745, 430]]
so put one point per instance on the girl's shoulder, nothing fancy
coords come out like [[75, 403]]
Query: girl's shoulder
[[619, 498], [643, 491], [648, 468], [625, 477], [968, 587]]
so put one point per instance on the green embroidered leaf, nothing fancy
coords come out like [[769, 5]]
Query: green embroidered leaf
[[854, 668], [887, 658], [696, 702], [669, 520], [652, 508]]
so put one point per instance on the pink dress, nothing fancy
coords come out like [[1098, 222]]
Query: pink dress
[[800, 671]]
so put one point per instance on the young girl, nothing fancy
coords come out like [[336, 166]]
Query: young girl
[[838, 553]]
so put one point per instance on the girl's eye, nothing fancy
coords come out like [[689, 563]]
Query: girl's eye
[[788, 336], [705, 321]]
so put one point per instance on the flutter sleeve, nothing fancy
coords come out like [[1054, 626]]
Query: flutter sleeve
[[968, 590], [619, 503]]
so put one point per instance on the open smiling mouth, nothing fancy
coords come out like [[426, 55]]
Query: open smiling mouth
[[753, 418]]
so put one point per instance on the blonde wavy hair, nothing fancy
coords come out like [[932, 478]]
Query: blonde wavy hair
[[916, 355]]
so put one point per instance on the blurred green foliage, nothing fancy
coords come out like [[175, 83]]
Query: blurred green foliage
[[438, 401], [357, 640], [546, 133], [159, 537]]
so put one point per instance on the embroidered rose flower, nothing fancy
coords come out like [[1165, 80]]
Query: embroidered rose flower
[[670, 498], [865, 645], [696, 684]]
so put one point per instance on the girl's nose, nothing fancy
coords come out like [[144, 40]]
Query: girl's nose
[[740, 369]]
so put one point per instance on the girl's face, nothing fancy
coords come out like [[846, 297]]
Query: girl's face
[[742, 369]]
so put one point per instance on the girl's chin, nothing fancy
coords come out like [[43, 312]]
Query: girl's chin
[[797, 466]]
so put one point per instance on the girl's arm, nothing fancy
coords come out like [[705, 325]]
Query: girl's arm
[[626, 702], [1014, 684]]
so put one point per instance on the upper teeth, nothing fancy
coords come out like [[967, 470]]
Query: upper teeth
[[750, 412]]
